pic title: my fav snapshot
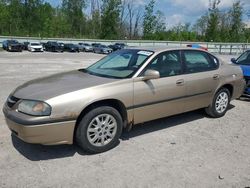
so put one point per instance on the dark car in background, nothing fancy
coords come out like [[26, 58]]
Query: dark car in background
[[25, 45], [102, 49], [53, 46], [117, 46], [244, 62], [12, 46], [61, 44], [71, 47], [85, 47]]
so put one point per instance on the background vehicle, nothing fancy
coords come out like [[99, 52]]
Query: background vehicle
[[197, 46], [53, 46], [35, 47], [117, 46], [61, 44], [244, 62], [25, 45], [85, 47], [12, 46], [102, 49], [127, 87], [96, 44], [71, 47]]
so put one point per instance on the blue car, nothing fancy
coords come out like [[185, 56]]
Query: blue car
[[244, 62]]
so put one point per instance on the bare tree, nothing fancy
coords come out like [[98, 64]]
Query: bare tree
[[138, 19], [131, 14]]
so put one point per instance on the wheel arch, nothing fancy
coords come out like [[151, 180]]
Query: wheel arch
[[229, 87], [115, 103]]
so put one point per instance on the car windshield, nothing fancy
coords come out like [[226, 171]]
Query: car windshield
[[244, 59], [54, 43], [70, 45], [13, 42], [121, 64], [35, 44], [86, 44]]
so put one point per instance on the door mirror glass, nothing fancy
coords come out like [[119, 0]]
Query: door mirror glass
[[151, 74]]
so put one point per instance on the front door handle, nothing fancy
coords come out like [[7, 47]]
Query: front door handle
[[216, 76], [180, 82]]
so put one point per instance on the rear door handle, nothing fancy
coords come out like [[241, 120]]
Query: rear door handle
[[180, 82], [216, 76]]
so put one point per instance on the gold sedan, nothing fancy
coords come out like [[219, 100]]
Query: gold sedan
[[127, 87]]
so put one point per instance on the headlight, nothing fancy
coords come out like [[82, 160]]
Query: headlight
[[35, 108]]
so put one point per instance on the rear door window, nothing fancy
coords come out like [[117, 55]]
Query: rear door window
[[198, 61]]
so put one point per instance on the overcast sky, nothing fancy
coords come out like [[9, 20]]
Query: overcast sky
[[182, 11]]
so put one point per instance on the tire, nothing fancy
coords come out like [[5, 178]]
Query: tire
[[220, 105], [94, 137]]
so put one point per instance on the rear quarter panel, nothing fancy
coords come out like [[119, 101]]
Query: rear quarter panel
[[232, 75]]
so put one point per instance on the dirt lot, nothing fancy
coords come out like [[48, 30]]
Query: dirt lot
[[189, 150]]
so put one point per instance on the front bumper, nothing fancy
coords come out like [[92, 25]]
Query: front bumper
[[36, 49], [52, 133]]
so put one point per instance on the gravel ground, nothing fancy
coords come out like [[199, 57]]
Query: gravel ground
[[188, 150]]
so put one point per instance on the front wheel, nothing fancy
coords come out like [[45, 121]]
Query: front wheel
[[220, 104], [99, 130]]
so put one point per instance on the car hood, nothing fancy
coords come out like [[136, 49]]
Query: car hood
[[36, 46], [15, 44], [106, 48], [58, 84], [245, 69]]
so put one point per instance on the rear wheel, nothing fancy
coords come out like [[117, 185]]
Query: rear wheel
[[99, 130], [220, 104]]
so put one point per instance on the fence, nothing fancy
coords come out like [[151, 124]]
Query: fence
[[221, 48]]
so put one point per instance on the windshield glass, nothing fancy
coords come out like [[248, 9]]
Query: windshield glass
[[54, 43], [35, 44], [244, 59], [120, 64], [13, 42]]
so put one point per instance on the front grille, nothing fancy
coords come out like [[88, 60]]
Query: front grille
[[11, 101]]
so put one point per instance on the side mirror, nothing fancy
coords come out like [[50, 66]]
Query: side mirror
[[233, 60], [151, 74]]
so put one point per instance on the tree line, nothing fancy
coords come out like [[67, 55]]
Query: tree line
[[117, 19]]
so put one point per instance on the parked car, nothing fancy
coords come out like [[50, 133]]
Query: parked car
[[125, 88], [35, 47], [197, 46], [85, 47], [25, 45], [53, 46], [43, 44], [117, 46], [102, 49], [12, 46], [71, 48], [244, 62], [61, 44], [96, 44]]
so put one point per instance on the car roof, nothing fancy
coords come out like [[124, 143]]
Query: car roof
[[159, 49]]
